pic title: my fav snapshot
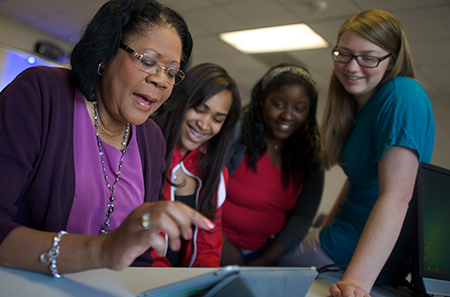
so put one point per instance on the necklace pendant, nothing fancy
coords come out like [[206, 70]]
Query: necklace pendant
[[109, 209]]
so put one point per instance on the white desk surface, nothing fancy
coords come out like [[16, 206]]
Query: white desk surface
[[126, 283], [101, 282]]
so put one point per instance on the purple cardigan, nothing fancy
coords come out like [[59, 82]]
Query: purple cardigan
[[37, 175]]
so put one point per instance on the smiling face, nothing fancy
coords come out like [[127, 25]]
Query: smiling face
[[359, 81], [131, 95], [285, 111], [201, 123]]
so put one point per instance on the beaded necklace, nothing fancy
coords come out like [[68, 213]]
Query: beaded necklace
[[110, 206]]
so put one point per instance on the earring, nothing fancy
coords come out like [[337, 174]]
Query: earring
[[100, 68]]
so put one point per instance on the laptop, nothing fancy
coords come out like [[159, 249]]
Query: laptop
[[242, 282], [431, 258]]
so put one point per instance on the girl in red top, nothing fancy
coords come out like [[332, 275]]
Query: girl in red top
[[276, 178], [197, 133]]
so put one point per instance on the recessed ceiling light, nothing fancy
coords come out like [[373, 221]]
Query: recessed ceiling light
[[275, 39]]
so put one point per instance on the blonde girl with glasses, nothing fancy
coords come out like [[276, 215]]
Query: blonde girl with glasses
[[378, 126]]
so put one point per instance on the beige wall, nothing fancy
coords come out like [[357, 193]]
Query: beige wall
[[23, 37]]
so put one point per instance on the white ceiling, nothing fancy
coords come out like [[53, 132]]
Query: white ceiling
[[426, 22]]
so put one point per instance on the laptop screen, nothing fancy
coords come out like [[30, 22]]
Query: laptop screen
[[432, 258]]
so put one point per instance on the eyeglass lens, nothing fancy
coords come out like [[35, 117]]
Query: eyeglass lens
[[150, 65], [362, 60]]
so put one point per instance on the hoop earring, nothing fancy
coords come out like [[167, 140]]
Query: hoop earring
[[100, 69]]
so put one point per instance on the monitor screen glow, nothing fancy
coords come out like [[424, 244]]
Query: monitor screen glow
[[433, 236], [13, 62]]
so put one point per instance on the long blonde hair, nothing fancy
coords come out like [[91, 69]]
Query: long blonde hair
[[384, 30]]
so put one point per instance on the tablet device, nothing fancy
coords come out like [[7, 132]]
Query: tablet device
[[241, 281]]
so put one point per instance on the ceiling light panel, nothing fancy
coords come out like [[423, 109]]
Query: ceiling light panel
[[275, 39]]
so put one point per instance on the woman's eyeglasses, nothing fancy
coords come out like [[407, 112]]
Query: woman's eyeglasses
[[151, 65]]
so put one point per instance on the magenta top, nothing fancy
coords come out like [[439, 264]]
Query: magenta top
[[91, 193]]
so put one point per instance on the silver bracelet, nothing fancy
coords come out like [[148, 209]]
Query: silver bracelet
[[50, 256]]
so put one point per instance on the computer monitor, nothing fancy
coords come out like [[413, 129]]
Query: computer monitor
[[431, 259]]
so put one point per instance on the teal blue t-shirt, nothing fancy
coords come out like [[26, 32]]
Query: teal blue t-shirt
[[398, 114]]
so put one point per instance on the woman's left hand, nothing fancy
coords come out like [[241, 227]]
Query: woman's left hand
[[231, 255], [347, 289], [270, 256]]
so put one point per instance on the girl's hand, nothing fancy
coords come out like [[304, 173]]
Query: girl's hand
[[231, 255], [347, 289]]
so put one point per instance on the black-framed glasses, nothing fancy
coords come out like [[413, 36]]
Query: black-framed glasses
[[362, 60], [151, 65]]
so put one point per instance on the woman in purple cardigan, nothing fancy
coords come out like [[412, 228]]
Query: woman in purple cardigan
[[79, 154]]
